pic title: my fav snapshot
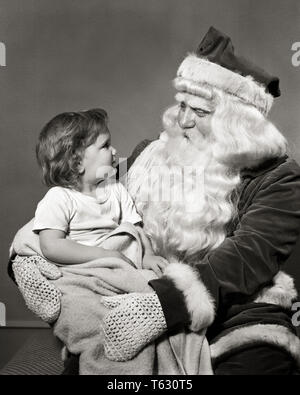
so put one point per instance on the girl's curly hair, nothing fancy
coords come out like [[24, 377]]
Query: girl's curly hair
[[62, 142]]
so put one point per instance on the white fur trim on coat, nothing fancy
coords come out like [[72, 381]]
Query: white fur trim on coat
[[198, 300], [194, 72], [282, 293], [275, 335]]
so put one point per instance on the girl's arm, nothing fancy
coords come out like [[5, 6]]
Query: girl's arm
[[148, 250], [58, 249]]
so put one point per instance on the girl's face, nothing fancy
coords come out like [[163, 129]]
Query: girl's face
[[98, 160]]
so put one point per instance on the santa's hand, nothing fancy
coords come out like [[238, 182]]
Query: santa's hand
[[155, 263], [41, 296], [137, 321]]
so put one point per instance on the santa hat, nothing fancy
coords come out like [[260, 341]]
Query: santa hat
[[215, 64]]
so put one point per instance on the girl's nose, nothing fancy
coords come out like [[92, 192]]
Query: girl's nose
[[186, 118], [113, 151]]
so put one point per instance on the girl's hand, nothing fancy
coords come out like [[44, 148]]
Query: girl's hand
[[155, 263]]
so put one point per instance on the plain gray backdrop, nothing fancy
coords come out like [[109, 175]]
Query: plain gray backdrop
[[120, 55]]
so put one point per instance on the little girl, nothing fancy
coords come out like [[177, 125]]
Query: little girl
[[75, 154]]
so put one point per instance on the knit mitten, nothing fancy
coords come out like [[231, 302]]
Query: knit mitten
[[136, 320], [41, 297], [111, 302]]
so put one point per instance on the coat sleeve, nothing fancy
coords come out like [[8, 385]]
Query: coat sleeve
[[244, 262]]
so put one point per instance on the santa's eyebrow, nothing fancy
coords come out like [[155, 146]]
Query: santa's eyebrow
[[196, 103], [201, 109]]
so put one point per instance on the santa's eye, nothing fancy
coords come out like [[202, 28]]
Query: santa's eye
[[182, 105], [200, 112]]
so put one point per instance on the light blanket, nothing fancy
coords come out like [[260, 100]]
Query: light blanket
[[79, 323]]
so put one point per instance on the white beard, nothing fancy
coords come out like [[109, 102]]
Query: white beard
[[182, 195], [185, 226]]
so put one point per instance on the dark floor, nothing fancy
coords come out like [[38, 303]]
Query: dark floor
[[12, 339], [35, 351]]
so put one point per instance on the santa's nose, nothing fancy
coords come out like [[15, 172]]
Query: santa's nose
[[186, 118]]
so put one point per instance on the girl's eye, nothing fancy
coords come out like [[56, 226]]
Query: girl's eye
[[182, 105]]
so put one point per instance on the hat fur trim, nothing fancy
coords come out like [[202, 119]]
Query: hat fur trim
[[194, 72]]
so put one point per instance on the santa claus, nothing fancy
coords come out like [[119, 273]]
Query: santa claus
[[220, 201]]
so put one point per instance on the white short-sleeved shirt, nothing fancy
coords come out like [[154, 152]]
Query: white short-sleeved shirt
[[83, 218]]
